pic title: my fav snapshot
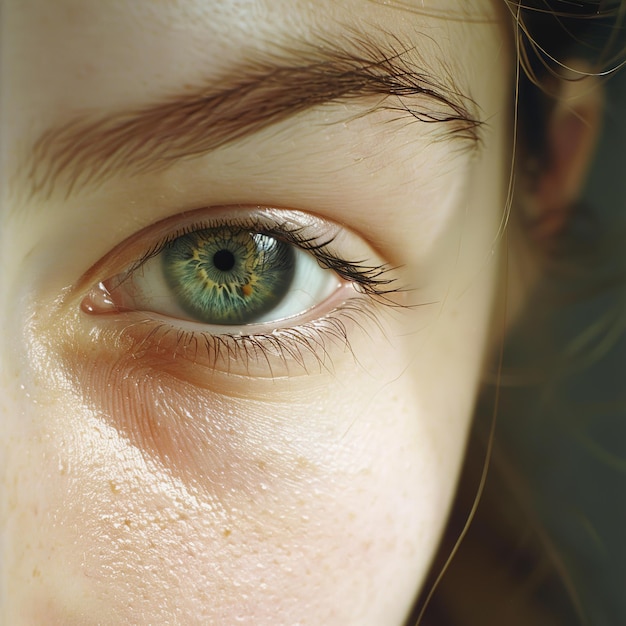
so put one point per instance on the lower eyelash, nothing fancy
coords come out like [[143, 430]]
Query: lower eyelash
[[307, 346]]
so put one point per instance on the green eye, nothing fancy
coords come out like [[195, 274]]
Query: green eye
[[225, 276]]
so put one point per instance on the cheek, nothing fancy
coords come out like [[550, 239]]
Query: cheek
[[144, 495]]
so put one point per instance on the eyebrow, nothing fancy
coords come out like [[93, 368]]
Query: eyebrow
[[91, 149]]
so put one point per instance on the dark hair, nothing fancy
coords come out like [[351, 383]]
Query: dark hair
[[505, 567], [551, 32]]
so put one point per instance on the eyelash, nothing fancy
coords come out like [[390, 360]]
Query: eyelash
[[288, 345], [292, 344], [371, 279]]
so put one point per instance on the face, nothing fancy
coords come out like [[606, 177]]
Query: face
[[249, 264]]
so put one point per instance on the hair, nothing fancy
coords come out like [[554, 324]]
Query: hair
[[502, 560]]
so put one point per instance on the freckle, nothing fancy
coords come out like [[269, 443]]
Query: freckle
[[303, 463], [114, 487], [36, 573], [247, 290], [127, 523], [227, 532]]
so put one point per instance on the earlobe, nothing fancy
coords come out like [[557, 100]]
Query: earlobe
[[572, 134]]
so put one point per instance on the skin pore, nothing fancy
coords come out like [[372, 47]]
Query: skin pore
[[300, 470]]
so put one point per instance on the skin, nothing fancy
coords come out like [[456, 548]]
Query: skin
[[140, 487]]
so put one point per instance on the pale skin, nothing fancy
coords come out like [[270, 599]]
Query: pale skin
[[148, 483]]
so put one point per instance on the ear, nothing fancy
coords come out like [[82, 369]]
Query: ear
[[572, 133], [547, 195]]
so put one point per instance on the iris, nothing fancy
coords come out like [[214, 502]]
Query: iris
[[228, 276]]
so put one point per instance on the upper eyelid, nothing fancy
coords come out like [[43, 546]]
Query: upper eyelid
[[372, 279], [91, 150], [275, 221], [124, 254], [250, 224]]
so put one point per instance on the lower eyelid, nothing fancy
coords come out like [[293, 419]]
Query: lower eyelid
[[99, 301], [213, 431], [192, 354]]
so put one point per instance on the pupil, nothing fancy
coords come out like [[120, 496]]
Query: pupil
[[224, 260]]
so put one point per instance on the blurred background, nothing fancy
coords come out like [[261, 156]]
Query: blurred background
[[567, 429]]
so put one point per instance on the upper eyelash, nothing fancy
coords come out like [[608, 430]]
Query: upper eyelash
[[372, 280]]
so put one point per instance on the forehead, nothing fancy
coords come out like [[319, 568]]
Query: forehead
[[87, 53]]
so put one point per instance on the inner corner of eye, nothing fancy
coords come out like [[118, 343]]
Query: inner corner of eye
[[99, 301]]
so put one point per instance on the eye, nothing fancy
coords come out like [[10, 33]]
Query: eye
[[225, 276], [249, 290]]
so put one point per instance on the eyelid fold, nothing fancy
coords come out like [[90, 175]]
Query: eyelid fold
[[150, 240]]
